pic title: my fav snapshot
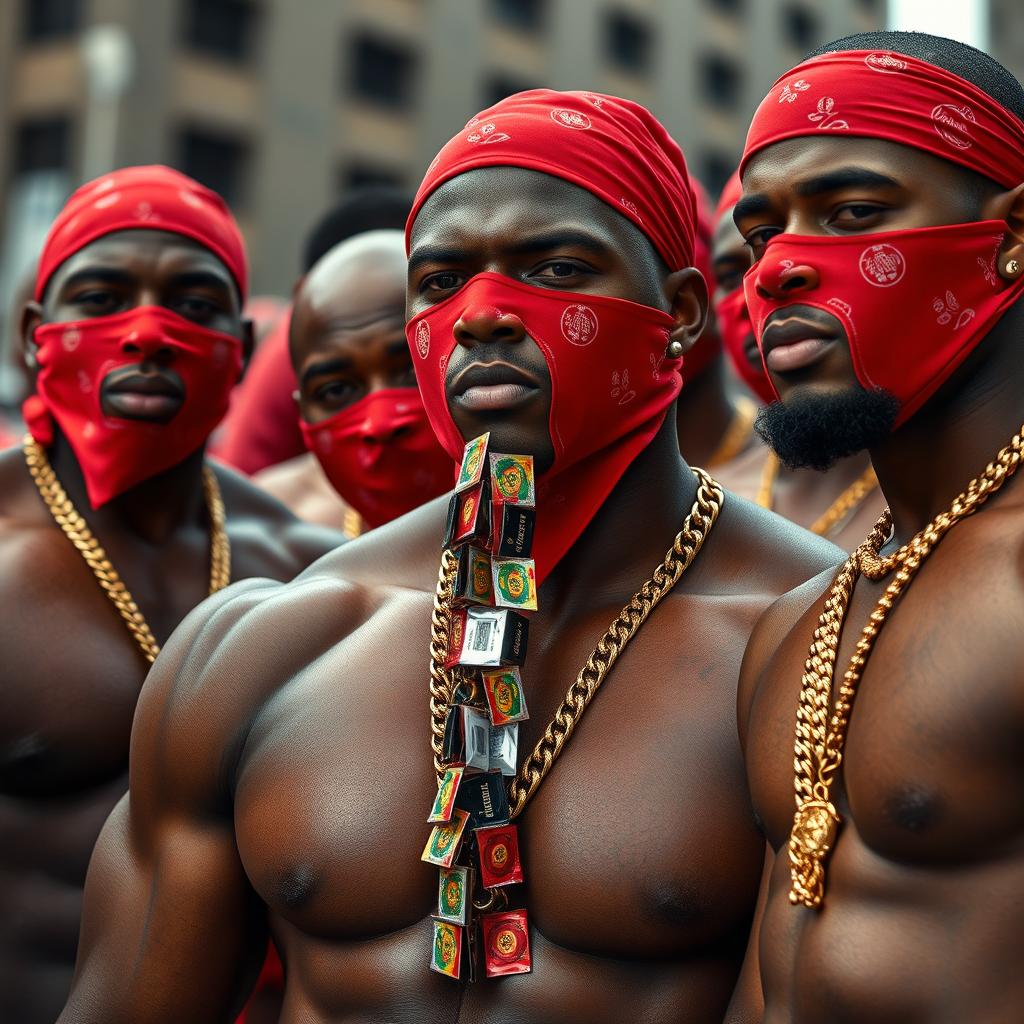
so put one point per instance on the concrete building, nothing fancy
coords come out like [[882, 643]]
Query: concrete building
[[1006, 34], [282, 104]]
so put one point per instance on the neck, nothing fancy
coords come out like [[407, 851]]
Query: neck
[[929, 460], [153, 509], [705, 412], [631, 531]]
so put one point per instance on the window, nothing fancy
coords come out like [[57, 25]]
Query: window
[[498, 86], [727, 6], [361, 173], [720, 80], [225, 29], [521, 15], [800, 28], [716, 169], [382, 71], [43, 145], [220, 162], [44, 20], [627, 42]]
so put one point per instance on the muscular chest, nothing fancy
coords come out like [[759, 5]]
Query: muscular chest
[[928, 765], [639, 830]]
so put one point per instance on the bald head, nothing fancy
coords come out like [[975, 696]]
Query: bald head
[[348, 324]]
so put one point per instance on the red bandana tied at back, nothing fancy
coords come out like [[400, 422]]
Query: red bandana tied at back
[[611, 381], [732, 315], [116, 453], [381, 454], [914, 303]]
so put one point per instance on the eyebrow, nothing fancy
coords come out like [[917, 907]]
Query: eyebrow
[[108, 275], [337, 365], [201, 279], [528, 246], [833, 181]]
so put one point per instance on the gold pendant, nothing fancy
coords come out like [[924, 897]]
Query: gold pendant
[[815, 826]]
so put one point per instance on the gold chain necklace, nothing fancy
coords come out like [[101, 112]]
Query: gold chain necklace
[[850, 499], [738, 433], [819, 737], [688, 542], [77, 531]]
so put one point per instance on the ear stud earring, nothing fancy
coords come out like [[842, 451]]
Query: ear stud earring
[[674, 350], [1012, 267]]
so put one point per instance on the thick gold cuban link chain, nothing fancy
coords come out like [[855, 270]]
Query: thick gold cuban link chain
[[77, 531], [688, 542], [819, 737]]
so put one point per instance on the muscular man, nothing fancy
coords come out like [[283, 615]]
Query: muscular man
[[361, 415], [841, 504], [888, 274], [714, 417], [136, 337], [281, 763]]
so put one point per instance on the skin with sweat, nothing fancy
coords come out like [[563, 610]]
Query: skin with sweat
[[72, 672], [923, 895], [801, 495], [294, 799]]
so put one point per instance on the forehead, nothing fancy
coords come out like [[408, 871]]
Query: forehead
[[727, 237], [509, 202], [140, 251]]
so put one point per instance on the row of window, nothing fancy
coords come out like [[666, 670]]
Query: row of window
[[228, 29], [223, 162]]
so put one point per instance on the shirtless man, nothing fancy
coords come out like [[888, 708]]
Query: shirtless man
[[895, 282], [841, 504], [360, 412], [148, 320], [300, 803]]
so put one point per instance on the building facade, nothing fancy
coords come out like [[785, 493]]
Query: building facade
[[281, 105]]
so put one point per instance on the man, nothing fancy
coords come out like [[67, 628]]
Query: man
[[886, 285], [361, 415], [841, 504], [136, 337], [261, 429], [551, 309], [715, 419]]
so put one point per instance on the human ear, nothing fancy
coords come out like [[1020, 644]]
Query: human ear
[[687, 293], [1009, 207]]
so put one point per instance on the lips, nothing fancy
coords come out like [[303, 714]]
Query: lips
[[143, 396], [493, 387], [795, 342]]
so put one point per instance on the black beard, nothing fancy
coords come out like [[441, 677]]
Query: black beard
[[814, 431]]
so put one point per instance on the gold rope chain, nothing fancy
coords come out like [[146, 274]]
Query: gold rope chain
[[77, 531], [819, 738], [688, 542]]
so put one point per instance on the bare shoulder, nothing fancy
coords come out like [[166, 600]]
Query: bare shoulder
[[268, 539]]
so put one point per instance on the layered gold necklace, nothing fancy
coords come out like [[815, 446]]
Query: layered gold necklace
[[840, 509], [77, 531], [820, 737]]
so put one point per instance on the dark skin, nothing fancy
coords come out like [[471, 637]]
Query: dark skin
[[801, 495], [300, 801], [72, 672], [922, 905]]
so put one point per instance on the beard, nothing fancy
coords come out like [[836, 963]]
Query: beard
[[814, 431]]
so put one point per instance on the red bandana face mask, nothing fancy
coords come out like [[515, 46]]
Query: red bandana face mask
[[914, 303], [115, 453], [611, 386], [381, 455], [735, 327]]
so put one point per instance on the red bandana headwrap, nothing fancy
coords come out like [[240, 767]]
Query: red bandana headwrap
[[116, 453], [731, 312], [611, 382], [914, 303]]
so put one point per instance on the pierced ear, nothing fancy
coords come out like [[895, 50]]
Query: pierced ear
[[687, 291], [31, 318], [1009, 206]]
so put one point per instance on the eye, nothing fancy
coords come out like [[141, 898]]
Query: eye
[[856, 215], [729, 280], [96, 301], [562, 271], [758, 238], [405, 378], [442, 281], [197, 308]]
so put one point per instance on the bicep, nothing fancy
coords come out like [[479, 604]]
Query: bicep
[[171, 930]]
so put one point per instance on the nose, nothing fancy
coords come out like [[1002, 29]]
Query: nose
[[782, 279], [480, 325], [384, 434], [148, 342]]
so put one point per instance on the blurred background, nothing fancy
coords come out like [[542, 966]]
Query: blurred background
[[282, 105]]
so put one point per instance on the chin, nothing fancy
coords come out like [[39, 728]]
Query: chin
[[513, 439]]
